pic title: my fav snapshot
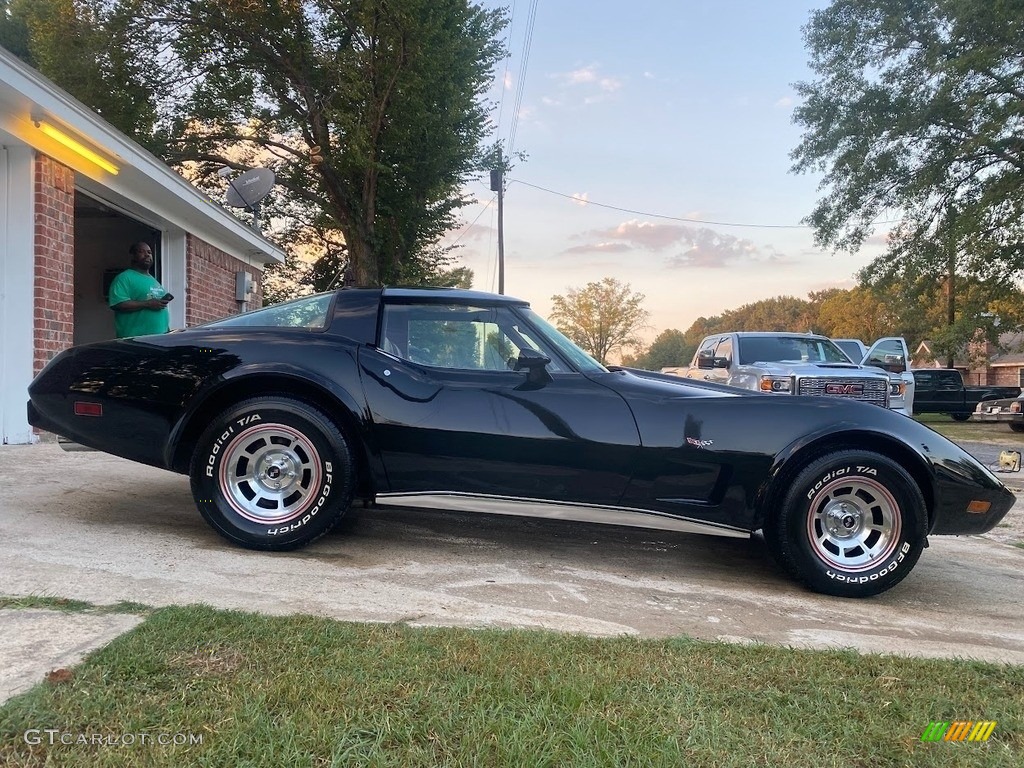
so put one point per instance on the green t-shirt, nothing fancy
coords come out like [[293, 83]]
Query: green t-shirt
[[132, 285]]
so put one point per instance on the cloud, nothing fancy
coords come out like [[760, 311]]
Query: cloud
[[710, 249], [580, 198], [785, 102], [599, 248], [507, 81], [698, 247], [577, 76], [643, 234], [590, 81]]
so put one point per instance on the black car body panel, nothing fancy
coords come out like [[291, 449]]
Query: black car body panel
[[617, 438]]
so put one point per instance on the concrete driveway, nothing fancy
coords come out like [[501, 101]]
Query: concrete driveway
[[94, 527]]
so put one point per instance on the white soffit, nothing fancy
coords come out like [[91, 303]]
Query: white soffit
[[143, 181]]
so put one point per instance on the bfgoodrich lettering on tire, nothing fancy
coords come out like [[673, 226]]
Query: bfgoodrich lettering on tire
[[272, 473], [853, 524]]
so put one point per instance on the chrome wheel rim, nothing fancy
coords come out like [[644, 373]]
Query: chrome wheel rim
[[854, 524], [270, 473]]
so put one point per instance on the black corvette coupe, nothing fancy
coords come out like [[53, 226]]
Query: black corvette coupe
[[431, 397]]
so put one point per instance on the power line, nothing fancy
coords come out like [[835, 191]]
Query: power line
[[661, 215], [508, 58], [474, 221], [527, 43]]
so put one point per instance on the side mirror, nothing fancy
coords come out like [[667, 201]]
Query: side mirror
[[535, 365], [706, 359], [720, 362]]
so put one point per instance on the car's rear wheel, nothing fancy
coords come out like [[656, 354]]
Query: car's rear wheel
[[1017, 427], [852, 524], [272, 473], [960, 416]]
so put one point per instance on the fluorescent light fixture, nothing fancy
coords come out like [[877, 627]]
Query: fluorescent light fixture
[[77, 147]]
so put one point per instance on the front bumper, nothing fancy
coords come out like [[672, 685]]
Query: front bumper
[[1002, 417]]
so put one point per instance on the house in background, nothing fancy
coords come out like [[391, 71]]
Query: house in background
[[998, 368], [74, 194]]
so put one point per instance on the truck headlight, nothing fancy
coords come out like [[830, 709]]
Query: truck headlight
[[776, 383], [897, 389]]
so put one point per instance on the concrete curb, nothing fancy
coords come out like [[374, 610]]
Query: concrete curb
[[34, 642]]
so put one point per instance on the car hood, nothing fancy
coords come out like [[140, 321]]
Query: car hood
[[800, 368], [637, 380]]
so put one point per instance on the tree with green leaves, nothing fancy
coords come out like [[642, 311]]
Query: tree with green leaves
[[916, 113], [370, 112], [603, 317], [14, 33], [668, 350], [96, 51], [373, 110]]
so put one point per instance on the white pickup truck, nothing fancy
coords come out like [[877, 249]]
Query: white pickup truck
[[805, 364]]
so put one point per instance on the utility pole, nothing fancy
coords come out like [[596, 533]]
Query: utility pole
[[498, 185]]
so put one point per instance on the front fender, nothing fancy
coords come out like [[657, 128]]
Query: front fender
[[799, 453]]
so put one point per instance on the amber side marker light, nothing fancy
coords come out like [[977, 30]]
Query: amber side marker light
[[88, 409], [979, 507]]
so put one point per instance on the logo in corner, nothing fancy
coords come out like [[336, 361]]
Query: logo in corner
[[699, 443], [959, 730]]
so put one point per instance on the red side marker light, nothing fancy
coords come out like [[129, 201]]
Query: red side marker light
[[88, 409]]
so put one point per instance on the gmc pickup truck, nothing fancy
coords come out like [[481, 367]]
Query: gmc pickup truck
[[794, 364], [942, 390]]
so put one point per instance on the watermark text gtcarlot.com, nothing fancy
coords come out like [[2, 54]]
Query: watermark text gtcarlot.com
[[55, 737]]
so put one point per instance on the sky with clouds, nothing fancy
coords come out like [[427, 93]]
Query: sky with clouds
[[658, 135]]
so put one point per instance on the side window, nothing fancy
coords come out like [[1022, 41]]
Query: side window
[[950, 381], [457, 337], [889, 353], [706, 344], [725, 349]]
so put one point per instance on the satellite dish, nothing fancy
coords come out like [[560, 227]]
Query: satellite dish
[[249, 188]]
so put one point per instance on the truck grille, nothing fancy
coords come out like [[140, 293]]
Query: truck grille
[[874, 391]]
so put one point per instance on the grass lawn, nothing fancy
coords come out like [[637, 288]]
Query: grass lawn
[[305, 691], [978, 431]]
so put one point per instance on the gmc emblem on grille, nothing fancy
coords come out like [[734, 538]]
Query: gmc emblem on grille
[[844, 389]]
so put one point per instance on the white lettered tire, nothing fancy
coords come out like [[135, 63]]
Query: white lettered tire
[[853, 524], [272, 473]]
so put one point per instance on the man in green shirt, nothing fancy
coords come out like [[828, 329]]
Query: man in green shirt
[[137, 298]]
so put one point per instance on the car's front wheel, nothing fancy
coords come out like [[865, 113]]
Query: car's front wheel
[[272, 473], [853, 524], [960, 416]]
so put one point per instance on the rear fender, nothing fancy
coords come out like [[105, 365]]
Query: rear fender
[[346, 409]]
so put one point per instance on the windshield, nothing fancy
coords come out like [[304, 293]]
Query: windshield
[[307, 312], [796, 349], [576, 356], [852, 350]]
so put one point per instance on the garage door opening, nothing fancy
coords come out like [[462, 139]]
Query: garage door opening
[[102, 237]]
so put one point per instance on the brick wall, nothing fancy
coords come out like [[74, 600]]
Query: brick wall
[[210, 280], [54, 259]]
